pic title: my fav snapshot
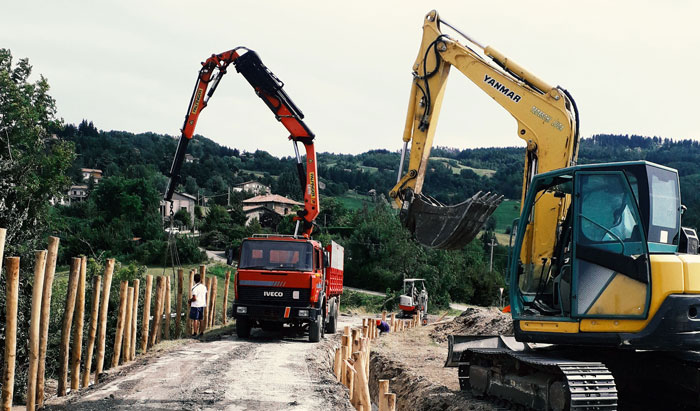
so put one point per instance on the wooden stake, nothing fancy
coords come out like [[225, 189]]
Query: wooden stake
[[77, 348], [381, 396], [45, 313], [362, 381], [134, 320], [344, 353], [214, 289], [102, 321], [94, 310], [126, 346], [11, 294], [350, 377], [178, 304], [337, 362], [227, 281], [34, 326], [188, 322], [202, 274], [71, 292], [121, 318], [391, 402], [168, 299], [157, 313], [146, 313]]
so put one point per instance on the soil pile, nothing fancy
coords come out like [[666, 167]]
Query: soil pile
[[475, 321]]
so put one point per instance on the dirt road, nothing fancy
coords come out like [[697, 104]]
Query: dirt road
[[267, 372]]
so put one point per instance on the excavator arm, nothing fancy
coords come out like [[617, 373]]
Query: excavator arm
[[545, 116], [269, 88]]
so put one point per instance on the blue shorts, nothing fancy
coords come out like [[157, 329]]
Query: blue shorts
[[196, 313]]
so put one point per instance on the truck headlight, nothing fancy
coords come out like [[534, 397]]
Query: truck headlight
[[303, 313], [242, 310]]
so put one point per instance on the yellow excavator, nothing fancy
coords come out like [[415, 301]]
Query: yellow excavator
[[604, 283]]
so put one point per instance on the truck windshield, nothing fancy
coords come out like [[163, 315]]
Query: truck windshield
[[276, 255]]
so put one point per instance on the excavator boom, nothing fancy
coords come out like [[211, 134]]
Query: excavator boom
[[545, 117], [269, 88]]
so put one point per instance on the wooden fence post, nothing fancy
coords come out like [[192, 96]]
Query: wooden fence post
[[190, 284], [45, 316], [337, 363], [134, 320], [158, 314], [391, 402], [126, 346], [212, 308], [94, 311], [227, 282], [11, 294], [178, 304], [77, 348], [121, 318], [67, 321], [381, 396], [203, 280], [34, 324], [168, 299], [146, 313], [102, 321]]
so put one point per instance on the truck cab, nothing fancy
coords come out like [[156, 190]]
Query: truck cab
[[286, 281]]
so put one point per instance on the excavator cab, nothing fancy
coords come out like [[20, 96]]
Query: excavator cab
[[615, 216]]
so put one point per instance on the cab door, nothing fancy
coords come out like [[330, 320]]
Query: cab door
[[611, 275]]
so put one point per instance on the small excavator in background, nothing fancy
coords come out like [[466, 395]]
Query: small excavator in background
[[281, 279], [414, 299], [604, 282]]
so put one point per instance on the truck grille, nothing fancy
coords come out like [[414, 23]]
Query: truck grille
[[274, 295]]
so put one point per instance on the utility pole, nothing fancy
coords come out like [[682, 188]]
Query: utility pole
[[228, 196], [491, 244]]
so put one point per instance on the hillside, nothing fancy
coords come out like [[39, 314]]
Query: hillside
[[453, 175]]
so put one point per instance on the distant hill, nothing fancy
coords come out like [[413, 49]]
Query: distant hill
[[453, 174]]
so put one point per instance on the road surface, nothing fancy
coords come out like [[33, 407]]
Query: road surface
[[268, 372]]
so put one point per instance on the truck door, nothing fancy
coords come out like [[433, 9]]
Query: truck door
[[610, 275]]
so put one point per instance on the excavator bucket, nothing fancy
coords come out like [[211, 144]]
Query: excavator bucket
[[436, 225]]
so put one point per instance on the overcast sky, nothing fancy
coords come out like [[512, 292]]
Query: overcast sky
[[632, 66]]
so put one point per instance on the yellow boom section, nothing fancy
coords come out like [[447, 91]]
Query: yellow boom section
[[544, 117]]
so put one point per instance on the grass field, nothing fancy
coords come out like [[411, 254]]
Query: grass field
[[459, 167], [353, 201], [506, 212]]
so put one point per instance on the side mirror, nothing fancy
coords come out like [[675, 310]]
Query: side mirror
[[326, 260], [231, 255]]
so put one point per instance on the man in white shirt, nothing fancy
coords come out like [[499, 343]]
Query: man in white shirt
[[198, 301]]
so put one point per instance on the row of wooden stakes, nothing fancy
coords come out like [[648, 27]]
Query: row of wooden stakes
[[351, 363], [125, 342]]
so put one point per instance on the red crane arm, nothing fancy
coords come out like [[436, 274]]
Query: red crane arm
[[269, 88]]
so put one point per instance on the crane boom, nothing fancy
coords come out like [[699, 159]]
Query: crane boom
[[269, 88]]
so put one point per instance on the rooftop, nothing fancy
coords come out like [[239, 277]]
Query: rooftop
[[271, 198]]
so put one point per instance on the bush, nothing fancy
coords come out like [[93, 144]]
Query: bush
[[214, 240]]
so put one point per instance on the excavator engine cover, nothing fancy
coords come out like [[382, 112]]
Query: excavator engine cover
[[446, 227]]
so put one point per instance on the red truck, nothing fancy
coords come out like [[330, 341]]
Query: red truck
[[287, 280]]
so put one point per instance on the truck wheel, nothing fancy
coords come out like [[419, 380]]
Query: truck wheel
[[332, 325], [315, 329], [242, 328]]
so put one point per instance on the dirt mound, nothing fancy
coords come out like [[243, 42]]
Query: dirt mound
[[475, 321]]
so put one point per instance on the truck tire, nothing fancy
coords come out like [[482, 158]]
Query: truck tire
[[332, 325], [243, 328], [315, 329]]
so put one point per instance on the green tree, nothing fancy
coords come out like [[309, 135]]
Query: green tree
[[33, 165]]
